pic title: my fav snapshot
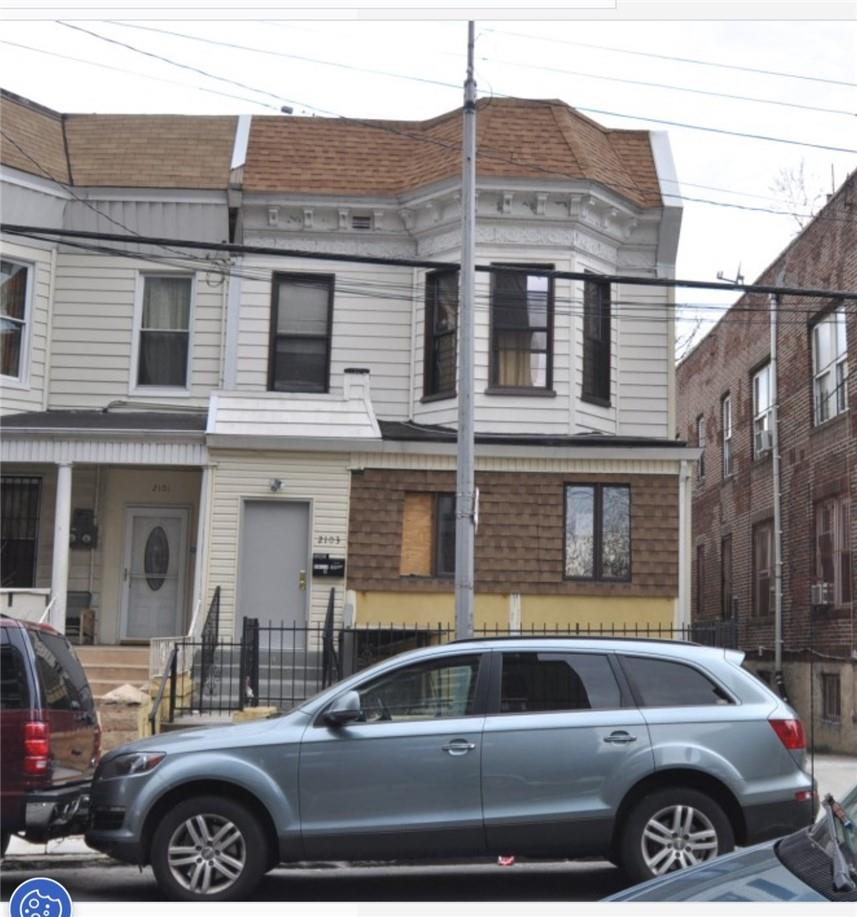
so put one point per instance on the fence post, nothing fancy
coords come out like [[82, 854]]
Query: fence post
[[173, 674], [248, 669]]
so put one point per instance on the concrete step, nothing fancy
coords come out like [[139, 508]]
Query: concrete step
[[113, 655], [132, 674]]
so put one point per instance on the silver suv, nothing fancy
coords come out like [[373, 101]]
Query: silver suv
[[657, 755]]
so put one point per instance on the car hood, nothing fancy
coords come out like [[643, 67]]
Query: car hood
[[219, 738], [754, 874]]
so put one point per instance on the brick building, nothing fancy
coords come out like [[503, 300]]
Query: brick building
[[724, 406]]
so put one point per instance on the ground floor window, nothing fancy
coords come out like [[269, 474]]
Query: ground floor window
[[831, 697], [597, 532], [428, 535], [763, 569], [19, 510]]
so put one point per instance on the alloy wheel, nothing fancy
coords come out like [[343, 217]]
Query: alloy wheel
[[677, 837], [207, 854]]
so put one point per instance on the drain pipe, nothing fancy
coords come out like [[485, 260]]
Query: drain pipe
[[779, 681]]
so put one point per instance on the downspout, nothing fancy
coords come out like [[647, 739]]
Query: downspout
[[682, 613], [778, 533]]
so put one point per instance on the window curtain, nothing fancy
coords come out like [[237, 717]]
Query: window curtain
[[164, 331]]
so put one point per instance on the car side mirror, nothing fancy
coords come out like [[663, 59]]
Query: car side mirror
[[344, 710]]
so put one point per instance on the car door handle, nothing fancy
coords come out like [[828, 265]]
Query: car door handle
[[458, 747], [620, 738]]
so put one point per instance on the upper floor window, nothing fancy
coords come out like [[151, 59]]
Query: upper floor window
[[762, 410], [726, 414], [14, 318], [598, 532], [163, 337], [596, 341], [441, 332], [829, 366], [763, 569], [521, 329], [700, 441], [428, 535], [833, 547], [301, 319]]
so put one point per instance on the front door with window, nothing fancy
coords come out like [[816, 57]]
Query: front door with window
[[153, 576]]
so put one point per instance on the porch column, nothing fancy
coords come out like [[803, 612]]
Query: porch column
[[62, 528]]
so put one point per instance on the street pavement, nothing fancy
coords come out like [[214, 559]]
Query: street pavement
[[90, 876]]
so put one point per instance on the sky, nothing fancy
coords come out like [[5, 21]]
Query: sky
[[402, 68]]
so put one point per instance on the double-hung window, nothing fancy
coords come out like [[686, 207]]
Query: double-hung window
[[440, 334], [596, 342], [726, 414], [833, 547], [521, 329], [763, 569], [301, 317], [163, 339], [14, 319], [762, 410], [829, 366], [597, 532]]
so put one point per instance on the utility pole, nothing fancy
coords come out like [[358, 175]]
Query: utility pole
[[774, 308], [465, 489]]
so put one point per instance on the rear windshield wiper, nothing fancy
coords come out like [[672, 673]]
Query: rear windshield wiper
[[833, 812]]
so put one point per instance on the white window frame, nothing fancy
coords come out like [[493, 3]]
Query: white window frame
[[726, 420], [22, 380], [826, 407], [170, 391], [761, 418]]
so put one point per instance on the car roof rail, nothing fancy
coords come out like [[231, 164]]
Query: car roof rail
[[532, 636]]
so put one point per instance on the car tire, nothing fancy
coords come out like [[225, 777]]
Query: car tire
[[209, 849], [672, 829]]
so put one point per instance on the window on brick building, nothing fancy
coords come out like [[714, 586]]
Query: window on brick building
[[700, 580], [726, 416], [428, 535], [700, 441], [762, 410], [763, 569], [597, 532], [833, 547], [829, 366], [831, 697], [727, 596]]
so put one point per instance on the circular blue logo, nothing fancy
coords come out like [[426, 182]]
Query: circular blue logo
[[40, 898]]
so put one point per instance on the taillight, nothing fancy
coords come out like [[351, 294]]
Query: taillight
[[37, 748], [790, 733]]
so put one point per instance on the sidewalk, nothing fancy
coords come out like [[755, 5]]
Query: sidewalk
[[835, 774]]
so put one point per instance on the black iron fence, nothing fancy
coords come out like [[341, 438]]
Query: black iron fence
[[281, 665]]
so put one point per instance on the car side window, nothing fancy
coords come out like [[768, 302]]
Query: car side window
[[545, 682], [661, 683], [65, 684], [437, 689], [14, 694]]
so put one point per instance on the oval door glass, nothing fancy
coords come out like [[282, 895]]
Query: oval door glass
[[156, 558]]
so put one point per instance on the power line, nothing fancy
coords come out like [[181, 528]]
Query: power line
[[684, 60]]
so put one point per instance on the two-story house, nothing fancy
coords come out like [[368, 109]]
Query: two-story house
[[201, 420], [725, 405]]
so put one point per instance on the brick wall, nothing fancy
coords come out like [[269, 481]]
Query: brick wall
[[519, 545], [817, 461]]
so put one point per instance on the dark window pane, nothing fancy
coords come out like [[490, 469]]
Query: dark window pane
[[71, 669], [670, 684], [13, 290], [616, 533], [163, 358], [580, 531], [303, 308], [14, 694], [442, 371], [441, 325], [11, 335], [19, 512], [426, 691], [300, 365], [543, 682], [445, 535], [596, 340], [166, 303], [59, 693]]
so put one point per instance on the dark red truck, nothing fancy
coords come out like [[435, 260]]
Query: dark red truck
[[50, 739]]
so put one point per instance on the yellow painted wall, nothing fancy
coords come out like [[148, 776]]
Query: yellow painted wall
[[422, 609]]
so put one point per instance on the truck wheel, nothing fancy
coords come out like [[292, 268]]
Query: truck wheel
[[209, 849], [672, 829]]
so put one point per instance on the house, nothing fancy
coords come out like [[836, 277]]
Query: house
[[278, 421], [725, 406]]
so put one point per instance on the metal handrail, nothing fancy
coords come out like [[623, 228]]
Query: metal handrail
[[169, 670], [47, 612]]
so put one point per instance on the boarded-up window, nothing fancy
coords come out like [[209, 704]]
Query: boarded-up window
[[428, 535]]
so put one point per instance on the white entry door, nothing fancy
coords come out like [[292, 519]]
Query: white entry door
[[153, 577]]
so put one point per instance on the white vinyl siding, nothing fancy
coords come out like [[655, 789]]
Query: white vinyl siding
[[323, 479]]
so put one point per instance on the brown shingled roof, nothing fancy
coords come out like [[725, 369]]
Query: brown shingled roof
[[126, 151], [516, 138]]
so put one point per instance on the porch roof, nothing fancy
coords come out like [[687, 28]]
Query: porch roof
[[162, 421]]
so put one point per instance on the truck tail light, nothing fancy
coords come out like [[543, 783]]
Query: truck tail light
[[790, 733], [37, 748]]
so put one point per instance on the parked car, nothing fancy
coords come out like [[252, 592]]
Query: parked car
[[814, 864], [51, 738], [656, 754]]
